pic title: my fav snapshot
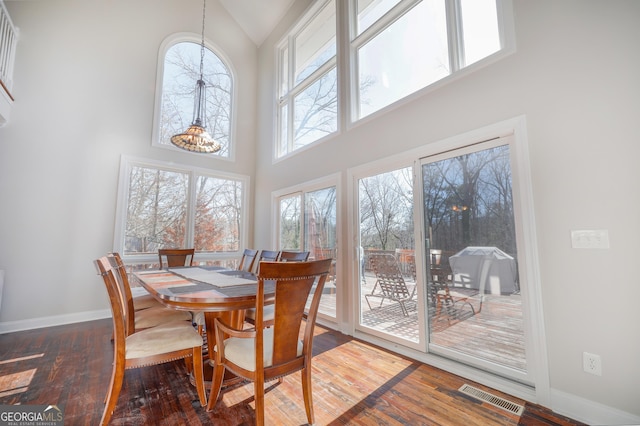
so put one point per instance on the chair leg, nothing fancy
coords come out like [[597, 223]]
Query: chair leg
[[199, 376], [188, 362], [258, 386], [307, 395], [216, 385], [111, 399]]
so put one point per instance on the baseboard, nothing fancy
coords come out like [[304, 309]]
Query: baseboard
[[32, 323], [590, 412]]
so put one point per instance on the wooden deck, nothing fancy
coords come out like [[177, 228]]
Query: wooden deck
[[495, 334]]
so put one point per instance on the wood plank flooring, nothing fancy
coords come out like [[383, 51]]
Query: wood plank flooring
[[354, 384]]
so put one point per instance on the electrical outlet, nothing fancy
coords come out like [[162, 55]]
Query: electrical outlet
[[592, 363]]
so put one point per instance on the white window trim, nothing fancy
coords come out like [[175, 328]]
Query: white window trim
[[127, 162], [166, 44]]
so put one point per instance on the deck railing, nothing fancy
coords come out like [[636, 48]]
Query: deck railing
[[8, 41]]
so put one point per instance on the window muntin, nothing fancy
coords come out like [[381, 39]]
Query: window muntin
[[308, 96], [164, 206], [180, 71], [369, 11]]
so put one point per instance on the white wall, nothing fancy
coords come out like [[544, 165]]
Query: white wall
[[84, 86], [575, 77]]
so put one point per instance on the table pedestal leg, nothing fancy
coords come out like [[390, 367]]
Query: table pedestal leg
[[234, 319]]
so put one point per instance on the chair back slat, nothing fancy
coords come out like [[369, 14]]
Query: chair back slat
[[294, 256], [267, 256], [176, 257], [248, 260], [116, 300], [293, 284]]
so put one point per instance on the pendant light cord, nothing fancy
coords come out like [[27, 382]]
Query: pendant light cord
[[204, 9]]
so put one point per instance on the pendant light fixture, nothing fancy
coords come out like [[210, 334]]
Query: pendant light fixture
[[196, 138]]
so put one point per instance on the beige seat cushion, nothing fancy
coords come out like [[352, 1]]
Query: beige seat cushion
[[268, 314], [152, 317], [197, 317], [242, 351], [161, 339], [144, 302]]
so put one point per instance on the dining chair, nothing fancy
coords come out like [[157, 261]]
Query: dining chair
[[261, 354], [294, 256], [142, 318], [156, 345], [139, 302], [176, 257], [248, 260], [265, 256]]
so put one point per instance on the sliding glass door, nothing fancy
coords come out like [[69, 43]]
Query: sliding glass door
[[440, 256], [475, 306], [388, 289]]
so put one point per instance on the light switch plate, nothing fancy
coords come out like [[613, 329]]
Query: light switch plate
[[590, 239]]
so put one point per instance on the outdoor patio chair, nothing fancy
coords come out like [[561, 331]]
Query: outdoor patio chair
[[390, 283], [443, 299]]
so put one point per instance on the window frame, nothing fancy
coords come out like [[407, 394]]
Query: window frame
[[347, 44], [168, 43], [300, 190], [455, 40], [286, 100], [126, 164]]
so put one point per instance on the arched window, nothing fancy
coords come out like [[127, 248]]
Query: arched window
[[178, 71]]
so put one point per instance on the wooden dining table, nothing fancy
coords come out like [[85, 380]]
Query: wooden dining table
[[216, 292]]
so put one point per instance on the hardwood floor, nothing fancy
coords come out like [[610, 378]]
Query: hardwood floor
[[354, 384]]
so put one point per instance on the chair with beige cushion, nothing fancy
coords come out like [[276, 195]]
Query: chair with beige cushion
[[139, 302], [294, 256], [261, 354], [283, 256], [267, 256], [248, 260], [143, 318], [176, 257], [156, 345]]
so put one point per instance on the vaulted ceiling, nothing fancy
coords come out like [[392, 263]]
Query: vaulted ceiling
[[257, 17]]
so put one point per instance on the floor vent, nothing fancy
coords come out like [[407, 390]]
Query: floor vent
[[492, 399]]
